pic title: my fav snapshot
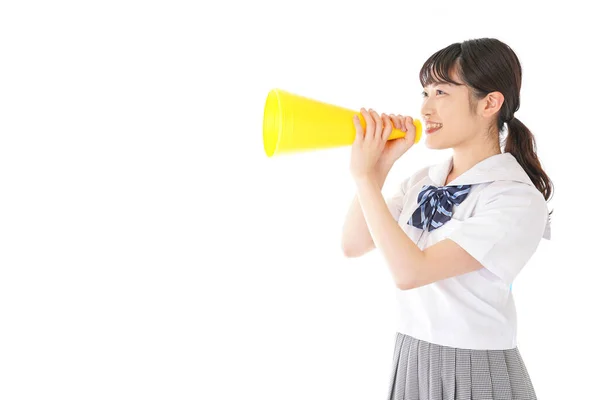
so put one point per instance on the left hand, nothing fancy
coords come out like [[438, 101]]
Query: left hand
[[368, 147]]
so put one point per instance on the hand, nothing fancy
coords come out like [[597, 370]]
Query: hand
[[372, 150], [395, 148]]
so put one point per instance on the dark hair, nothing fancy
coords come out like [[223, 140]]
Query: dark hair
[[488, 65]]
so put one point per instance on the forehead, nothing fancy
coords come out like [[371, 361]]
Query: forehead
[[440, 75]]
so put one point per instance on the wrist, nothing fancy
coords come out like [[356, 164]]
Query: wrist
[[373, 176], [383, 169], [384, 165]]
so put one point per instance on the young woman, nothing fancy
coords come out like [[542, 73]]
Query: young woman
[[455, 234]]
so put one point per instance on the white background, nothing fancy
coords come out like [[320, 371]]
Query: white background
[[150, 250]]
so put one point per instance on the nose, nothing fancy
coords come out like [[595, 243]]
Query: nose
[[426, 110]]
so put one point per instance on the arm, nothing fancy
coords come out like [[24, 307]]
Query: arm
[[402, 255], [356, 238], [501, 236]]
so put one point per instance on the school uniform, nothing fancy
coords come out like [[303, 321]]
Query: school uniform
[[457, 338]]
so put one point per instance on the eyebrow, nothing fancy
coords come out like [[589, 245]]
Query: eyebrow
[[443, 84]]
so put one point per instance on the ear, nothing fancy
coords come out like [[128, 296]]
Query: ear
[[491, 104]]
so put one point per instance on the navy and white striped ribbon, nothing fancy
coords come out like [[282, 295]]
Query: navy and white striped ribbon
[[435, 205]]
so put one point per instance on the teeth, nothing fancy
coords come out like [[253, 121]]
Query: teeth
[[433, 125]]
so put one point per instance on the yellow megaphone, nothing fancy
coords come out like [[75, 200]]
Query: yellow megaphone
[[293, 123]]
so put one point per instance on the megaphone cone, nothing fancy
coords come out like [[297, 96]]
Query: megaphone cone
[[293, 123]]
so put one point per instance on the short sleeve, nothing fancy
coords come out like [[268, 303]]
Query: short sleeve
[[395, 202], [505, 228]]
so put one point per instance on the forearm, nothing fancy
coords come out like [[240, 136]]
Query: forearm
[[402, 255], [356, 238]]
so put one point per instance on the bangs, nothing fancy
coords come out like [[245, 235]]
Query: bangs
[[437, 68]]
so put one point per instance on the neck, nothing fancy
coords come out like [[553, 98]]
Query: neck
[[465, 157]]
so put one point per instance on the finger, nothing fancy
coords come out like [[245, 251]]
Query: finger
[[412, 129], [407, 123], [378, 124], [387, 127], [369, 123], [399, 122], [403, 123], [359, 129], [395, 121]]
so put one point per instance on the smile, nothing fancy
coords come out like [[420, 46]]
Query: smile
[[430, 128]]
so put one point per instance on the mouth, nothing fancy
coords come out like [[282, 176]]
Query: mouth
[[432, 127]]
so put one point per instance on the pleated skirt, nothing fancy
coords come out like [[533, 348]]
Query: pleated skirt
[[427, 371]]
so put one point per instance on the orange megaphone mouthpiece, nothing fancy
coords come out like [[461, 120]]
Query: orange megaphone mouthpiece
[[293, 123]]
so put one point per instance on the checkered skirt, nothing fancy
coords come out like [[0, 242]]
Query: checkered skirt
[[427, 371]]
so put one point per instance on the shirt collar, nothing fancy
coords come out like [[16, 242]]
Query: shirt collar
[[499, 167]]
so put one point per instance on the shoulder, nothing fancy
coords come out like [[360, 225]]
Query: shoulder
[[516, 193], [514, 204]]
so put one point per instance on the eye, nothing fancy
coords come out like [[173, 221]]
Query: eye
[[424, 94]]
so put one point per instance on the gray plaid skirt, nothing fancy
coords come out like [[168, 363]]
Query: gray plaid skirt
[[427, 371]]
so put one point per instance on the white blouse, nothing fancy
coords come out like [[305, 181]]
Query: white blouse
[[500, 223]]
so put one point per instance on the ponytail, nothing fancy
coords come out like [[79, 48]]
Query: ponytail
[[520, 142]]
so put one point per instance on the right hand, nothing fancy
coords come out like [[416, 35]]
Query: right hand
[[395, 148]]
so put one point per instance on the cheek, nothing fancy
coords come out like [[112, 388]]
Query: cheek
[[455, 117], [447, 111]]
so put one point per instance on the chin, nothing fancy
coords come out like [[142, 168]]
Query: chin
[[435, 145]]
